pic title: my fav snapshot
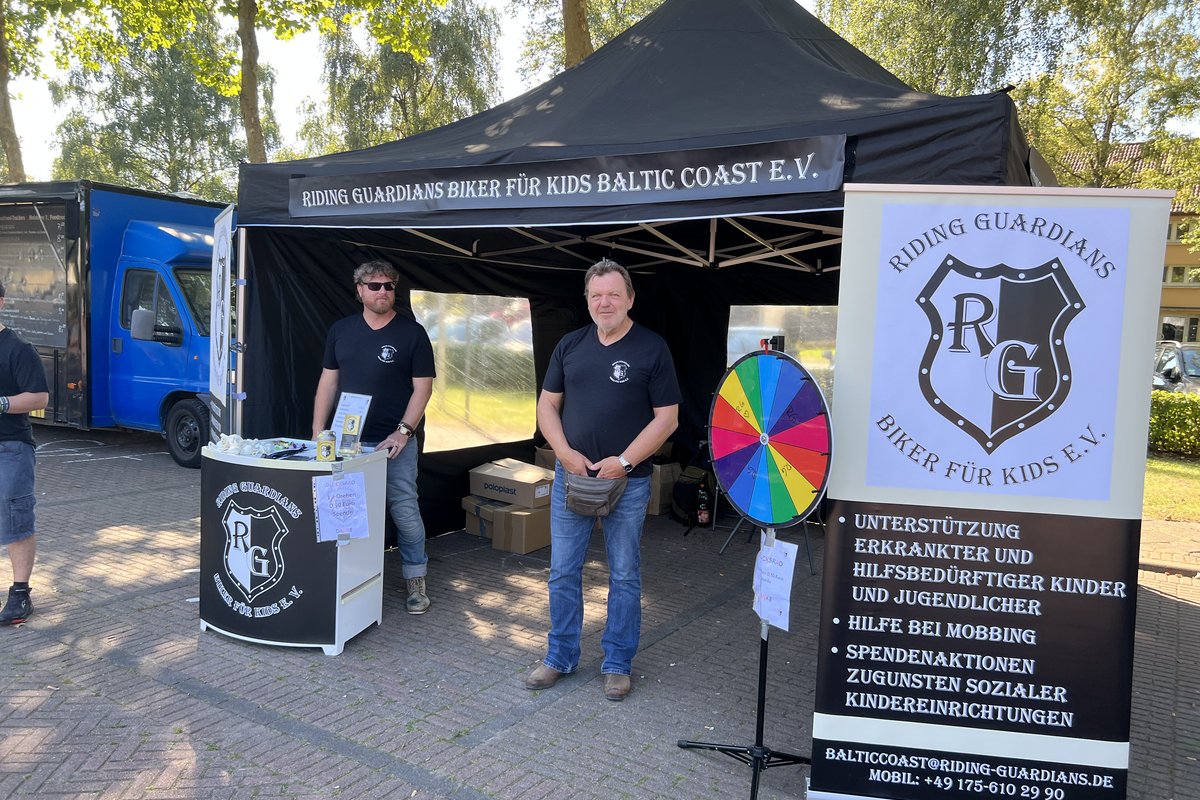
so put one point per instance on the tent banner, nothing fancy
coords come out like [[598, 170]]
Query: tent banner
[[814, 164], [980, 585]]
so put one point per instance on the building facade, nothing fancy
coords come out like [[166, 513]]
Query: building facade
[[1179, 309]]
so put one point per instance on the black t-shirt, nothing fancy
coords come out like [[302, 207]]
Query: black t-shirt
[[610, 393], [20, 371], [380, 363]]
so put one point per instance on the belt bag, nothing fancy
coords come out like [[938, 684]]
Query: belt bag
[[593, 497]]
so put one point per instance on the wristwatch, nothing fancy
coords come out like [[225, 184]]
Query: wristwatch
[[625, 464], [404, 428]]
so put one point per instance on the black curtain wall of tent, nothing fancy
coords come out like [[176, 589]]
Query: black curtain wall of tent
[[705, 149]]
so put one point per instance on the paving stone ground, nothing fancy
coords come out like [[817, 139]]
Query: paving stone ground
[[111, 690]]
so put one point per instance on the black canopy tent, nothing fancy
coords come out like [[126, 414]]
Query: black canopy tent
[[676, 149]]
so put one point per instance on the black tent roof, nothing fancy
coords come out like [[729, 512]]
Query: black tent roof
[[704, 82], [693, 74]]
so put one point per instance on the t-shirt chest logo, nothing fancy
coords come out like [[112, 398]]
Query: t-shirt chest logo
[[620, 372], [387, 354]]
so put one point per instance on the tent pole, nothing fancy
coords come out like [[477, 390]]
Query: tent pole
[[239, 388]]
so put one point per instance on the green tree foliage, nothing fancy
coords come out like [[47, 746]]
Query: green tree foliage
[[143, 119], [947, 47], [376, 93], [1131, 69], [543, 48], [400, 24], [79, 32]]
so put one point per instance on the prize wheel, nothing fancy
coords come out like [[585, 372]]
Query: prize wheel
[[770, 439]]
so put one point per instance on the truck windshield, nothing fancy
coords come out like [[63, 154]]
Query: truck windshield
[[197, 290]]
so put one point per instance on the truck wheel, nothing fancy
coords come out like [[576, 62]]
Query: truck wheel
[[187, 431]]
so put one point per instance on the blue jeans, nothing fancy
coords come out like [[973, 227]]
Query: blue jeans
[[405, 513], [570, 534]]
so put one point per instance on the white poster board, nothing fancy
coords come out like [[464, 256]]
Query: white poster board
[[993, 378]]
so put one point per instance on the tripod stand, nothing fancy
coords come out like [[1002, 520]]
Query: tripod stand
[[756, 755]]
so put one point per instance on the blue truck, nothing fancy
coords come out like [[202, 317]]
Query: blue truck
[[113, 287]]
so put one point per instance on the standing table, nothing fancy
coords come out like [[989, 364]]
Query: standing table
[[264, 577]]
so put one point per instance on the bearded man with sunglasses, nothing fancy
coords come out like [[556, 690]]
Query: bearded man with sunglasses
[[387, 356]]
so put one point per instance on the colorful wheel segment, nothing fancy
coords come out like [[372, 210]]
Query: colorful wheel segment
[[770, 441]]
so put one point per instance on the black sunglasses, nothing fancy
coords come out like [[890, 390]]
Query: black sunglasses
[[375, 286]]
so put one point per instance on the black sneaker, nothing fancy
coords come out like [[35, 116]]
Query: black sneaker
[[17, 609]]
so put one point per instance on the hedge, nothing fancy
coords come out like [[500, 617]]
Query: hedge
[[1175, 423]]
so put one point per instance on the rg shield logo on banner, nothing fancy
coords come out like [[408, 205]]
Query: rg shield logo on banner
[[995, 342]]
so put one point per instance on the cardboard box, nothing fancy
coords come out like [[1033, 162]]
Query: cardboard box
[[522, 530], [513, 482], [662, 482], [481, 515], [544, 457]]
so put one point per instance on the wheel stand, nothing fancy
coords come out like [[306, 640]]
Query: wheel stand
[[756, 755]]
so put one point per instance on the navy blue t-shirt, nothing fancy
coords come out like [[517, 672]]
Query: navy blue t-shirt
[[20, 371], [610, 393], [380, 363]]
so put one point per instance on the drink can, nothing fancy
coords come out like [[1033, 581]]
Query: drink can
[[326, 444]]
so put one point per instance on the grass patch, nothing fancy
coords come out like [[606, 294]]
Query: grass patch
[[1172, 488], [456, 419]]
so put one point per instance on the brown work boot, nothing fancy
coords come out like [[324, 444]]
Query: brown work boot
[[542, 677], [616, 687]]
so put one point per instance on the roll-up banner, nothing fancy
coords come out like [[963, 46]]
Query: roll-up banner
[[220, 327], [993, 394]]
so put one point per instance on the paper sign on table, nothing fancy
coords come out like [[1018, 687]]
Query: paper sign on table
[[341, 507]]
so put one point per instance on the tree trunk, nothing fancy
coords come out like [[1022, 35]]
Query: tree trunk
[[8, 128], [577, 39], [248, 96]]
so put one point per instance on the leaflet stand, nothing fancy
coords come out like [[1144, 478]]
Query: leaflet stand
[[757, 756]]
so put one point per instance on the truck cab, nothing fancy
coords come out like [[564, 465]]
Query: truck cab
[[158, 353]]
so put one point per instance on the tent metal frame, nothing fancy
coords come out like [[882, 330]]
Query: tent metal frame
[[747, 241]]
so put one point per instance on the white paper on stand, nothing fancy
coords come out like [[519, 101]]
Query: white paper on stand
[[773, 581], [341, 506]]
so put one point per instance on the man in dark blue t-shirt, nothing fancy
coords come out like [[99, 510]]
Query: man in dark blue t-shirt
[[387, 356], [22, 389], [609, 401]]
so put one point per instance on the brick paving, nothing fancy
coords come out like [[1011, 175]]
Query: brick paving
[[111, 690]]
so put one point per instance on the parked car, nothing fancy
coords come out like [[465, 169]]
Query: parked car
[[1177, 367]]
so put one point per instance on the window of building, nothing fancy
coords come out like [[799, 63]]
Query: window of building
[[1177, 230], [1179, 328], [485, 390], [1182, 275], [809, 333]]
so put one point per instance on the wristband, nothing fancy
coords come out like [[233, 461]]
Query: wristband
[[4, 405]]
